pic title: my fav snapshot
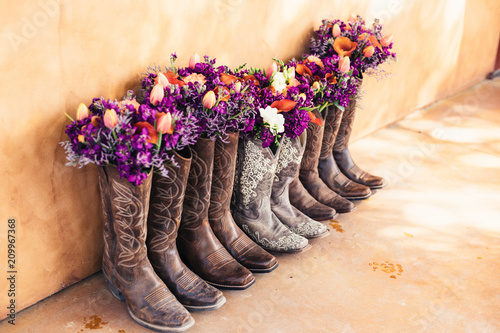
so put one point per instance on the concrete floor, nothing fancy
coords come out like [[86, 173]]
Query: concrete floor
[[421, 255]]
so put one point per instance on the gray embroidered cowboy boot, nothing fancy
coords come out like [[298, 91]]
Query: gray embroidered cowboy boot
[[286, 170], [255, 169], [165, 210], [126, 267]]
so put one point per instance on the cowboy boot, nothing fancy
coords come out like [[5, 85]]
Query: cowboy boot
[[309, 175], [303, 201], [343, 157], [287, 169], [251, 206], [126, 267], [165, 210], [236, 242], [197, 244], [328, 169]]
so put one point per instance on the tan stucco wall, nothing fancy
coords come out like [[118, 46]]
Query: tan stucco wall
[[56, 54]]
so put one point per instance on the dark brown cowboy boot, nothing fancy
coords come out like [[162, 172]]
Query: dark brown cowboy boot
[[239, 245], [165, 210], [309, 175], [126, 267], [303, 201], [197, 244], [286, 170], [251, 206], [343, 156], [328, 169]]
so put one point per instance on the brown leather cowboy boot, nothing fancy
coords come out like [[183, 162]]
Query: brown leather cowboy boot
[[126, 267], [251, 206], [309, 175], [239, 245], [165, 210], [303, 201], [197, 244], [286, 171], [343, 156], [328, 169]]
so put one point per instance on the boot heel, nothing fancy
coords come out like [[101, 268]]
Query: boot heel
[[117, 293]]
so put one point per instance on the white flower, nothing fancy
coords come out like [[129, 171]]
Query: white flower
[[279, 82], [275, 120]]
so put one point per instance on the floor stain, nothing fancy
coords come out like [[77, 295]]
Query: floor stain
[[336, 226], [388, 268], [408, 235], [93, 323]]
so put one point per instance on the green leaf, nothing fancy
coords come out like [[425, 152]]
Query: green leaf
[[341, 108]]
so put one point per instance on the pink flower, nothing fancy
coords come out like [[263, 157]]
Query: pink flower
[[164, 124], [194, 78], [335, 30], [110, 118], [368, 51], [82, 112], [209, 100], [195, 58], [352, 19], [161, 79], [386, 40], [345, 64], [272, 69], [157, 94], [237, 86]]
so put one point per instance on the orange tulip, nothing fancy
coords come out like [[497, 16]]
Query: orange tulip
[[293, 82], [336, 30], [362, 36], [316, 85], [161, 79], [164, 124], [368, 51], [209, 100], [344, 46], [373, 41], [195, 58], [157, 94], [153, 134], [82, 112], [110, 118], [284, 105], [316, 60], [81, 138], [251, 78], [386, 40], [271, 70], [345, 64], [351, 19]]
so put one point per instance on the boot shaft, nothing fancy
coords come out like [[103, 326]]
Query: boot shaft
[[167, 198], [312, 151], [197, 198], [255, 169], [344, 132], [332, 126], [223, 176]]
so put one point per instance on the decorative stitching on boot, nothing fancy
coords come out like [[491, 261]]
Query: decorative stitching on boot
[[241, 243], [159, 298], [255, 167], [286, 243], [308, 229], [219, 257], [288, 154], [187, 279]]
